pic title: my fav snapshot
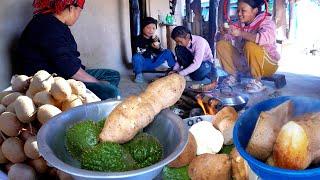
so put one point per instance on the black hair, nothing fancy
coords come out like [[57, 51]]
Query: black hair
[[148, 20], [180, 31], [254, 3]]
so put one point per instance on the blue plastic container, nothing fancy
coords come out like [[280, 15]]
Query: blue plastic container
[[244, 128]]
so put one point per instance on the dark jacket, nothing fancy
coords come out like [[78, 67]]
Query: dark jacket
[[144, 47], [47, 43]]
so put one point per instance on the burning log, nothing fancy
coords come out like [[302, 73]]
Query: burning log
[[207, 104]]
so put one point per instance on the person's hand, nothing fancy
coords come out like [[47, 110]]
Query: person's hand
[[235, 31], [105, 82], [223, 30], [156, 45], [155, 38], [171, 72]]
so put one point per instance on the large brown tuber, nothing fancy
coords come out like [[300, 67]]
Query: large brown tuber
[[298, 143], [266, 130], [136, 112], [225, 120], [210, 166], [188, 154]]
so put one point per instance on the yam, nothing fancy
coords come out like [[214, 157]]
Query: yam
[[240, 169], [25, 109], [88, 98], [8, 166], [60, 89], [1, 138], [20, 83], [4, 93], [126, 120], [30, 93], [10, 98], [208, 138], [30, 148], [167, 90], [188, 154], [210, 166], [268, 125], [25, 134], [2, 108], [44, 97], [78, 87], [225, 120], [11, 108], [41, 81], [71, 102], [298, 143], [3, 159], [12, 149], [9, 124], [135, 112], [47, 111], [21, 171], [28, 131], [270, 161], [40, 165]]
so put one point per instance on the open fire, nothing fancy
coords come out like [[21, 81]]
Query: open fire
[[207, 104]]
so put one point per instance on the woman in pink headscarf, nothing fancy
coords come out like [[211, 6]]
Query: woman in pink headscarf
[[48, 44]]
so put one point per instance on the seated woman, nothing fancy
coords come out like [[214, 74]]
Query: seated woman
[[194, 56], [254, 45], [48, 44], [148, 54]]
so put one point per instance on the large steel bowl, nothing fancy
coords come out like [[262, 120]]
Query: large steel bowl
[[167, 127]]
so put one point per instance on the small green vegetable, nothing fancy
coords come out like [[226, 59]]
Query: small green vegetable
[[226, 149], [107, 157], [175, 173], [82, 136], [145, 149]]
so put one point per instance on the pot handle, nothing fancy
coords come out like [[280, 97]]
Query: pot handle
[[224, 92]]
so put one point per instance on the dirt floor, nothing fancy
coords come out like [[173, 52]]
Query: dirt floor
[[300, 68]]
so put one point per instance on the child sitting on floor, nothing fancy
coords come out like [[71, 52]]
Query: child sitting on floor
[[148, 53], [254, 45], [194, 56]]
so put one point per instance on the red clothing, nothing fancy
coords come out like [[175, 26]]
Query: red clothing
[[54, 6]]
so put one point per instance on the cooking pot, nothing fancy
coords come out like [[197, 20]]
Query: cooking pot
[[227, 97]]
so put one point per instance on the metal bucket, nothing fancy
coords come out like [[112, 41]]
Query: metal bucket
[[167, 127]]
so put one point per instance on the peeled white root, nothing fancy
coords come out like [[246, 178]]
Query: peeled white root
[[208, 138], [291, 148]]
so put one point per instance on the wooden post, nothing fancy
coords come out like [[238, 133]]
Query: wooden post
[[134, 21], [197, 21], [291, 6], [221, 18], [188, 14], [279, 15], [213, 5], [135, 17]]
